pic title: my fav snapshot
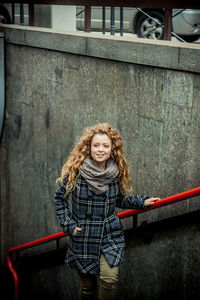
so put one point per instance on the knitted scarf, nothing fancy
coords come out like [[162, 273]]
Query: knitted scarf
[[98, 180]]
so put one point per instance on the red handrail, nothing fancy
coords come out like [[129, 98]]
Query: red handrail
[[130, 212], [163, 202]]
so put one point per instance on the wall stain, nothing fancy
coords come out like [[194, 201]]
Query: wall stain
[[18, 122], [47, 118], [58, 72]]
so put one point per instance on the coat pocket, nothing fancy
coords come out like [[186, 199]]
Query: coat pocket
[[81, 232], [115, 225]]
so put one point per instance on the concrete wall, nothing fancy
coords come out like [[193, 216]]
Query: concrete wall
[[58, 83]]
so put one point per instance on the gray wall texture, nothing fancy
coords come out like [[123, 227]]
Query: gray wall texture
[[58, 83]]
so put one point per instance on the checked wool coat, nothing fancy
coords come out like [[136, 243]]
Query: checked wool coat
[[101, 228]]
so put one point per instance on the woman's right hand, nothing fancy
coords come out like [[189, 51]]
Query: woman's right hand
[[77, 229]]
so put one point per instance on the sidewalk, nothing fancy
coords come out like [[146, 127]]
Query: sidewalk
[[131, 35]]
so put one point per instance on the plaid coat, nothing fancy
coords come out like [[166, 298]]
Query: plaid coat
[[101, 228]]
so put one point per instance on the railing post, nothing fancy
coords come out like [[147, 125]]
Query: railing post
[[87, 18], [121, 21], [15, 276], [103, 20], [135, 221], [31, 14], [168, 24], [21, 14], [112, 20], [13, 13]]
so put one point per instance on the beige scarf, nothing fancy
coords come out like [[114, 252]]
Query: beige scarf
[[98, 180]]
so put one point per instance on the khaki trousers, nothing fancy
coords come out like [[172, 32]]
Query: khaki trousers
[[107, 283]]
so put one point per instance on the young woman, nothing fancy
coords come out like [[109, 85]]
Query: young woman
[[96, 178]]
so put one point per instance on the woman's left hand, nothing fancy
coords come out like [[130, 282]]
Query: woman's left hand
[[150, 201]]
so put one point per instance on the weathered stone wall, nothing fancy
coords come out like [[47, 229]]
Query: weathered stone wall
[[59, 83]]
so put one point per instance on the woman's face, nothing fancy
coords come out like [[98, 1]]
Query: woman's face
[[101, 147]]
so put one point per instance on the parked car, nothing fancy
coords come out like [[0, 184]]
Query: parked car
[[4, 15], [186, 24]]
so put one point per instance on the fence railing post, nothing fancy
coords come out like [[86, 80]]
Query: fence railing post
[[31, 14], [112, 20], [103, 20], [21, 13], [168, 24], [87, 26]]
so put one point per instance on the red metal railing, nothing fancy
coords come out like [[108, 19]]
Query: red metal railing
[[131, 212]]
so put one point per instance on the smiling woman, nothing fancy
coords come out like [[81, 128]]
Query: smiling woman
[[100, 150], [96, 178]]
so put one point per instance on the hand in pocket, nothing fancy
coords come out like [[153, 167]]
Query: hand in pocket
[[77, 229]]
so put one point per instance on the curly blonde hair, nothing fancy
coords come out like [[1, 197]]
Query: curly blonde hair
[[71, 168]]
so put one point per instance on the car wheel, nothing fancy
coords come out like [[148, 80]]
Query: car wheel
[[148, 28], [190, 38], [4, 15]]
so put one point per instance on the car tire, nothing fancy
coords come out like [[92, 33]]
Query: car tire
[[190, 38], [4, 16], [148, 28]]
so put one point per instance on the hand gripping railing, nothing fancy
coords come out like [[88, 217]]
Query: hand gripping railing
[[131, 212]]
